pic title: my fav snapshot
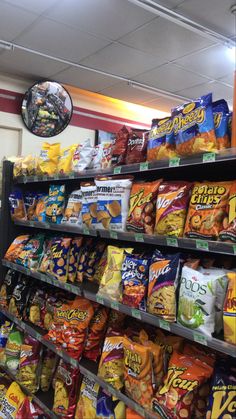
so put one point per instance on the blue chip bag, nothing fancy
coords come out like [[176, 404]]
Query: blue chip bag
[[40, 209], [161, 144], [17, 205], [194, 127], [134, 276], [30, 200], [108, 406], [55, 204], [221, 117]]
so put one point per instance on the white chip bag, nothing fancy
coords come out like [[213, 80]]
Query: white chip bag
[[89, 204], [82, 156], [72, 214]]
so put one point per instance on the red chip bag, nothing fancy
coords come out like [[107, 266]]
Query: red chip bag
[[120, 147], [30, 410], [137, 147], [97, 329]]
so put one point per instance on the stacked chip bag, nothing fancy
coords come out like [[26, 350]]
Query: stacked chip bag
[[221, 117], [102, 156], [30, 410], [72, 214], [13, 349], [59, 258], [87, 247], [82, 156], [111, 365], [112, 202], [7, 287], [30, 200], [29, 364], [35, 311], [194, 129], [120, 147], [12, 401], [16, 247], [87, 403], [89, 204], [30, 256], [17, 205], [137, 147], [161, 144], [229, 310], [65, 390], [142, 207], [19, 298], [228, 233], [94, 255], [109, 406], [48, 159], [96, 332], [162, 286], [65, 159], [49, 362], [55, 204], [5, 329], [74, 254]]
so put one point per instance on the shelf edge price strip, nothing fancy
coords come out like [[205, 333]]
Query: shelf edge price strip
[[197, 337], [208, 157], [202, 245]]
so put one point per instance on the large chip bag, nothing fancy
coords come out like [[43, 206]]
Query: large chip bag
[[49, 362], [12, 401], [13, 349], [229, 313], [161, 144], [48, 159], [221, 116], [111, 365], [59, 261], [108, 406], [66, 387], [30, 200], [171, 208], [120, 147], [7, 287], [137, 147], [194, 127], [17, 205], [207, 209], [96, 332], [65, 159], [228, 233], [142, 207], [31, 254], [82, 156], [87, 403]]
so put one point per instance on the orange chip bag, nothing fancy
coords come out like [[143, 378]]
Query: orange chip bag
[[16, 247], [142, 206], [184, 376], [157, 357], [229, 223], [138, 372], [111, 366], [207, 210]]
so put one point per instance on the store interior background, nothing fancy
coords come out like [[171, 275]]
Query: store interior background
[[116, 37]]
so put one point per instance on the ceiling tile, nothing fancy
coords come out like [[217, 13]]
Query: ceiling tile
[[109, 18], [220, 91], [171, 78], [13, 21], [213, 62], [60, 40], [25, 64], [33, 6], [84, 79], [128, 93], [163, 104], [212, 13], [122, 60], [164, 38]]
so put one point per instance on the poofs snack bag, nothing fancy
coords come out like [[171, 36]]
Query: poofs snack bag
[[48, 159], [161, 143]]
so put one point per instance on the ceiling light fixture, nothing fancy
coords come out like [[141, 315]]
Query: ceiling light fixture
[[183, 21]]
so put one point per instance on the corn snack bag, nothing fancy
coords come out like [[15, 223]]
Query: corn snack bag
[[12, 350], [142, 207], [228, 233], [137, 146], [19, 299], [55, 204], [48, 159], [161, 144], [82, 156], [40, 209], [30, 410], [65, 159], [134, 275], [111, 365], [66, 389], [220, 114], [17, 205], [29, 165], [96, 332], [89, 204], [169, 344], [108, 406], [74, 252], [185, 374], [87, 403], [194, 128], [120, 147], [12, 401], [16, 247], [110, 284], [30, 200], [229, 313], [5, 329], [49, 363], [30, 256], [29, 364], [197, 299], [157, 352], [59, 258], [112, 202], [17, 168], [207, 210], [72, 214], [11, 279], [163, 281], [171, 208]]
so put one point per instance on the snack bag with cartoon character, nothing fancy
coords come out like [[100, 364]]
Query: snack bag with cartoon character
[[55, 204]]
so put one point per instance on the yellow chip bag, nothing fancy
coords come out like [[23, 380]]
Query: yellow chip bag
[[13, 399], [86, 406], [111, 366], [111, 278], [229, 311], [48, 159], [65, 159]]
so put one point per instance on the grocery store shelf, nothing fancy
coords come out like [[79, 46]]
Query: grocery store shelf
[[42, 277], [195, 160], [65, 228]]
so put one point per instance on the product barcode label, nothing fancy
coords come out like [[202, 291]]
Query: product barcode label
[[174, 162], [207, 157], [202, 245], [143, 166], [164, 325], [197, 337], [85, 230], [171, 241], [113, 235], [117, 170], [73, 362], [136, 313]]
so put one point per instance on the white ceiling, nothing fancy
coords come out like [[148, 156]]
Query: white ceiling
[[119, 37]]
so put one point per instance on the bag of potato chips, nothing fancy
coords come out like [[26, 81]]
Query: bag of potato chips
[[59, 258], [96, 332], [40, 209], [82, 156], [12, 401], [111, 365], [65, 160], [108, 406], [30, 200], [66, 389], [48, 159], [220, 113], [13, 349], [161, 144], [29, 364], [228, 234], [89, 204], [87, 403], [16, 247], [17, 205], [74, 254], [229, 314], [11, 279], [72, 214], [49, 362]]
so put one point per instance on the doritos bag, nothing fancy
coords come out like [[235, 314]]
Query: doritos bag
[[137, 146], [120, 147]]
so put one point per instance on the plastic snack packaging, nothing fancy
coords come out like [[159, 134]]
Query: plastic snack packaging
[[30, 200], [111, 365], [174, 400], [112, 202], [12, 350], [207, 210], [12, 401], [131, 414], [29, 165], [40, 209], [5, 329], [87, 403], [96, 332], [11, 279], [74, 253], [110, 284], [55, 204], [116, 320], [102, 156], [19, 298], [65, 159], [162, 286], [89, 204], [221, 116], [135, 280], [49, 362], [16, 247], [48, 159], [17, 205], [59, 261], [157, 352], [66, 390], [82, 156], [171, 208], [229, 313], [72, 214], [120, 147], [228, 233], [30, 256], [94, 255], [88, 245], [35, 310], [161, 144], [137, 146], [100, 267], [30, 410], [17, 168], [108, 406], [142, 207], [197, 299], [29, 364], [194, 128]]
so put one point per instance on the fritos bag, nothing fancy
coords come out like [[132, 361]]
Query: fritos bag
[[142, 207], [229, 313], [207, 210], [137, 146], [194, 127], [171, 208], [228, 233], [120, 147], [221, 116], [111, 365], [48, 159], [87, 403], [161, 143]]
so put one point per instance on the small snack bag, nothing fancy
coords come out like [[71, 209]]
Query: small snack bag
[[13, 349], [65, 159], [59, 258], [49, 362], [72, 214], [48, 159], [29, 364], [30, 256], [65, 390], [89, 204], [40, 209], [30, 200], [82, 156], [229, 313], [55, 204], [17, 205], [228, 234], [221, 115], [87, 403], [137, 146], [161, 144], [16, 247], [111, 365], [120, 147]]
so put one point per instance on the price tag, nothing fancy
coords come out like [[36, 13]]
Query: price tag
[[234, 249], [25, 179], [60, 353], [73, 362], [35, 178], [38, 336], [113, 235], [136, 313], [139, 237], [56, 177], [202, 245], [172, 241], [86, 231], [99, 300], [208, 157], [139, 410], [22, 325], [71, 175], [31, 223], [164, 325], [143, 166], [117, 170], [68, 287], [45, 177], [115, 305], [197, 337], [174, 162]]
